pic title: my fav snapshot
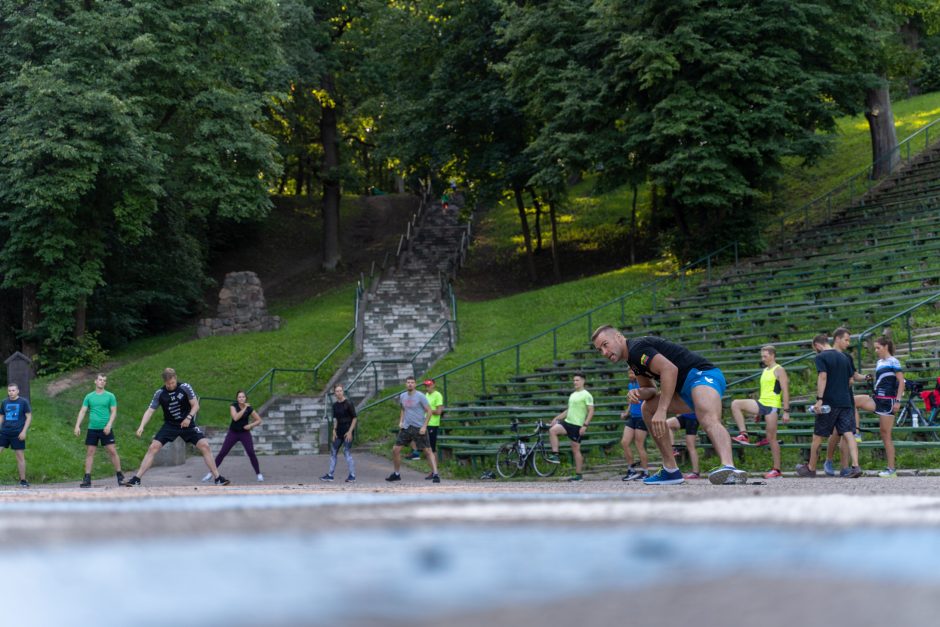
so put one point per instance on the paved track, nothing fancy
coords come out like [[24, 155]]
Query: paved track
[[291, 553]]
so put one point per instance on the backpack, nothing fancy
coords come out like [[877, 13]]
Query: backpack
[[931, 398]]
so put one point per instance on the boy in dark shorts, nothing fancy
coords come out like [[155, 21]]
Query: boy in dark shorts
[[833, 388], [413, 427], [101, 405], [180, 406], [15, 417], [634, 432], [573, 422], [689, 423]]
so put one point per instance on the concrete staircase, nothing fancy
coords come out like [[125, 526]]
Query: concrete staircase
[[400, 317]]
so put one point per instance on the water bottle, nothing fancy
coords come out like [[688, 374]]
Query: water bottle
[[825, 409], [915, 419], [522, 449]]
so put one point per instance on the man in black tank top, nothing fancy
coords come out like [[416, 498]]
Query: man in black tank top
[[688, 383]]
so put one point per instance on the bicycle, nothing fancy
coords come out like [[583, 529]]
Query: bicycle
[[515, 456], [912, 416]]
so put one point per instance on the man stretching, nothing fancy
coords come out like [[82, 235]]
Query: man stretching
[[180, 407], [573, 422], [102, 408], [688, 384]]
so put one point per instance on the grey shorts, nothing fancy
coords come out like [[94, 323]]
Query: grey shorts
[[763, 410], [413, 434]]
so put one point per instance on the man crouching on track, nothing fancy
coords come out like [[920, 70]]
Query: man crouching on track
[[688, 383]]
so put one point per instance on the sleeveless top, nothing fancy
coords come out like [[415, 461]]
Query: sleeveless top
[[770, 395]]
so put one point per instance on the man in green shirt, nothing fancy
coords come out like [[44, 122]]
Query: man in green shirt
[[101, 406], [436, 401], [573, 422]]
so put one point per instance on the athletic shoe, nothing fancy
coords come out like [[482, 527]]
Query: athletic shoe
[[693, 475], [727, 475], [828, 468], [208, 477], [763, 442], [553, 458], [393, 477], [741, 438], [803, 471], [326, 477], [260, 478], [429, 476], [858, 436], [635, 475], [436, 478], [86, 482], [120, 477], [845, 472], [24, 483], [351, 479], [773, 474], [665, 477], [132, 482], [574, 478], [414, 455], [888, 473], [854, 473], [220, 480]]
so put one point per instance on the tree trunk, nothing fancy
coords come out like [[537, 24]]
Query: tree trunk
[[329, 137], [538, 220], [884, 139], [526, 236], [81, 311], [30, 321], [556, 268], [633, 227]]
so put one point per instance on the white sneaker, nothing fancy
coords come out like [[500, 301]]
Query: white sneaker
[[207, 477], [260, 477]]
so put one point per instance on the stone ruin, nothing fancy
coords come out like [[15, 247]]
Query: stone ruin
[[242, 308]]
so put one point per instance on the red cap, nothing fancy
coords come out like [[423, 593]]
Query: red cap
[[429, 381]]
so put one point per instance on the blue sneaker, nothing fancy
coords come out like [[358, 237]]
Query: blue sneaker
[[828, 468], [727, 475], [664, 477]]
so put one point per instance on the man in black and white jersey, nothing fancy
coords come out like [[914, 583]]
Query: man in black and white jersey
[[180, 406]]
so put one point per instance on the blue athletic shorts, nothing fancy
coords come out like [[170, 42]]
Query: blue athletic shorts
[[711, 378]]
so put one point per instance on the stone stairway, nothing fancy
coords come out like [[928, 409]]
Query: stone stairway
[[400, 317]]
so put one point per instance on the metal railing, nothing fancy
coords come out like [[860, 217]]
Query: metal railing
[[858, 185]]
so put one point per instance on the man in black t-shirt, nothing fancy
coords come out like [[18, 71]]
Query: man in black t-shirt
[[344, 424], [688, 384], [834, 389], [180, 406]]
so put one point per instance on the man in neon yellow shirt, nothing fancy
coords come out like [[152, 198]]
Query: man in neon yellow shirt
[[102, 406], [436, 401], [774, 402], [573, 422]]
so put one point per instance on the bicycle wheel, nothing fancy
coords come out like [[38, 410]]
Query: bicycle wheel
[[540, 464], [507, 460]]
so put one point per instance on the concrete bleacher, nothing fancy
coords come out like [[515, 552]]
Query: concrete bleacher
[[867, 263]]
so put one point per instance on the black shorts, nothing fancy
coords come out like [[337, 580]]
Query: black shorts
[[573, 431], [94, 437], [412, 434], [689, 424], [842, 419], [884, 406], [432, 437], [169, 432], [763, 410], [11, 439], [635, 422]]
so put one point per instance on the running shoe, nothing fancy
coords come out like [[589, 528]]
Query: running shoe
[[220, 480], [86, 482], [574, 478], [436, 478], [429, 476], [854, 472], [393, 477], [693, 475], [260, 478], [727, 475], [24, 483], [773, 474], [208, 477], [763, 442], [120, 477], [665, 477], [828, 468], [845, 472], [858, 436], [351, 479], [132, 482], [635, 475], [804, 471], [326, 477], [741, 438], [553, 458], [414, 455], [888, 473]]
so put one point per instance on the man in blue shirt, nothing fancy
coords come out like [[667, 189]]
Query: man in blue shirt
[[15, 418]]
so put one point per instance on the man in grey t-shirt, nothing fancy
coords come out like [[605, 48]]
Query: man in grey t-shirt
[[413, 427]]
